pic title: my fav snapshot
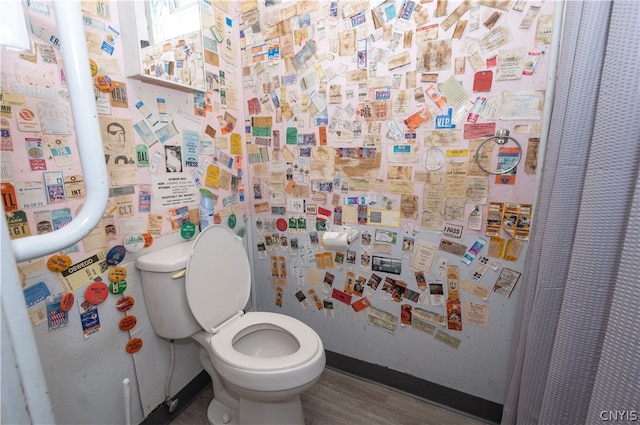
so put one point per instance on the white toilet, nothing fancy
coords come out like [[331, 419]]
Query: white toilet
[[259, 362]]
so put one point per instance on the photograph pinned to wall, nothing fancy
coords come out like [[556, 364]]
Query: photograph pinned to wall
[[173, 159], [118, 141]]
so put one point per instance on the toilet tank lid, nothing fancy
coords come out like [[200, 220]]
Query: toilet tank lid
[[166, 260]]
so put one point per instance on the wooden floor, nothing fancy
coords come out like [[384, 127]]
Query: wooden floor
[[339, 399]]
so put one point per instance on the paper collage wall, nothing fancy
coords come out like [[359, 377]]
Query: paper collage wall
[[365, 114], [372, 116], [160, 145]]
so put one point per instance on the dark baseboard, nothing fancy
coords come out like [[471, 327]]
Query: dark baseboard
[[429, 391], [161, 415]]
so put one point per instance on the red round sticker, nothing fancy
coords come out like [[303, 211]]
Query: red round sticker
[[66, 302], [281, 224], [96, 292], [125, 303]]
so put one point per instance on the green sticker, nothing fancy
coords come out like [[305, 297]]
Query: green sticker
[[241, 232], [188, 230], [117, 287], [142, 153], [232, 221]]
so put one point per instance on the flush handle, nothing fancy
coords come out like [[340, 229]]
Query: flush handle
[[179, 274]]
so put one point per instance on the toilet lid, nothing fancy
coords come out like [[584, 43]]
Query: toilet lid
[[218, 279]]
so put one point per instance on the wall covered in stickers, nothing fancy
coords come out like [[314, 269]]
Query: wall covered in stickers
[[311, 116], [369, 115], [161, 145]]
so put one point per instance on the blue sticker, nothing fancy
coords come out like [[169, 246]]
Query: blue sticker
[[90, 320], [36, 293], [445, 121], [107, 48], [402, 149], [116, 255]]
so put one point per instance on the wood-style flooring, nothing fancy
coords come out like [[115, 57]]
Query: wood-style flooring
[[340, 399]]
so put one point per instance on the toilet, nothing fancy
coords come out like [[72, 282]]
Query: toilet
[[259, 362]]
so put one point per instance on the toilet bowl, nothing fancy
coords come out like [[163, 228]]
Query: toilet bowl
[[259, 362]]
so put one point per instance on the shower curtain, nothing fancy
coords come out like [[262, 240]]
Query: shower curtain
[[574, 356]]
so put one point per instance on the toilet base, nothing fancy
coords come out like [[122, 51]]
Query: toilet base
[[285, 412], [219, 414]]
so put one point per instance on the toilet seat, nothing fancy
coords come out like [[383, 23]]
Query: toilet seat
[[222, 342], [218, 277]]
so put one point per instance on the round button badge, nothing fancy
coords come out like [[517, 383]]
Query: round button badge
[[188, 230], [232, 220], [127, 323], [125, 303], [281, 224], [58, 262], [96, 292], [117, 274], [66, 302], [148, 239], [103, 83], [116, 255], [134, 345], [134, 243], [117, 288]]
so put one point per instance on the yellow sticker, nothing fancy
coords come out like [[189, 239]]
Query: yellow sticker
[[94, 67], [212, 178], [236, 144], [59, 262], [117, 274]]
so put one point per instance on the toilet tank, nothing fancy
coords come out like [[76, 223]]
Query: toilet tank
[[164, 294]]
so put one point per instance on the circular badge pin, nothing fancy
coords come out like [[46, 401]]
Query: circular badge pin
[[117, 288], [96, 292], [127, 323], [58, 262], [66, 302], [117, 274], [148, 239], [188, 230], [281, 224], [94, 67], [116, 255], [103, 83], [134, 345], [232, 220], [134, 242], [125, 303]]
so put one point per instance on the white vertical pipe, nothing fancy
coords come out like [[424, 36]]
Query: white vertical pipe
[[547, 110], [87, 128], [126, 386], [20, 339]]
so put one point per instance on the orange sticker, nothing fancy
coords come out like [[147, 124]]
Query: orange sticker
[[127, 323], [66, 302], [59, 262], [134, 345], [103, 83], [125, 303], [117, 274], [96, 292], [148, 239]]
